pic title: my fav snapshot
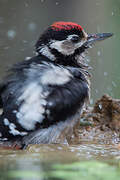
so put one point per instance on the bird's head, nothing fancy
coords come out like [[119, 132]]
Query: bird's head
[[65, 43]]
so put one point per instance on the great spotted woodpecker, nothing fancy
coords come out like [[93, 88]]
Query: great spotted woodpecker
[[42, 96]]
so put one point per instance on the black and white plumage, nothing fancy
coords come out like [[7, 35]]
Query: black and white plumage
[[40, 97]]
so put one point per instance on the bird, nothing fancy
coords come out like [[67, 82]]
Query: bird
[[42, 96]]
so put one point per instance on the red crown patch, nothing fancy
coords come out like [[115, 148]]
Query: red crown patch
[[65, 26]]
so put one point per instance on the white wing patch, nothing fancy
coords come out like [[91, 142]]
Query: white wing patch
[[33, 98], [56, 76], [32, 109], [13, 129]]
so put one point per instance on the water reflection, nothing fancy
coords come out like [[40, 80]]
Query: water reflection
[[37, 161]]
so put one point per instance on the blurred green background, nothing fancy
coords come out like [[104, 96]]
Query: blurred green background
[[21, 23]]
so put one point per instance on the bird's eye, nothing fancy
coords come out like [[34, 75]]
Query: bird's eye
[[75, 39]]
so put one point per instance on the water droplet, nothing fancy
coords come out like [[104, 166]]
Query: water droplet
[[72, 150], [59, 148], [32, 26], [98, 28], [57, 3], [1, 20], [91, 101], [24, 41], [112, 13], [96, 90], [105, 74], [26, 4], [114, 84], [100, 106], [27, 58], [109, 88], [99, 53], [11, 34], [88, 59], [6, 48]]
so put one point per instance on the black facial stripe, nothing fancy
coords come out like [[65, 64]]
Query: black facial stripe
[[67, 59]]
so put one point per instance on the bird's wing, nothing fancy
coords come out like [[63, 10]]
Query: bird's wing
[[40, 96]]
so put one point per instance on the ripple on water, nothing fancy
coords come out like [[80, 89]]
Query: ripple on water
[[64, 153]]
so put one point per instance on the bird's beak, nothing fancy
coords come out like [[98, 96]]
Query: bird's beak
[[92, 38]]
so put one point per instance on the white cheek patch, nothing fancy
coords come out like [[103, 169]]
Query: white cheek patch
[[66, 47], [62, 48], [32, 108], [56, 76]]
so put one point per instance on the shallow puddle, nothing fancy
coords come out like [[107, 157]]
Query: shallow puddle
[[59, 161]]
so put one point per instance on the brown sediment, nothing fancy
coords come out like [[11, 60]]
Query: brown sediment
[[100, 124]]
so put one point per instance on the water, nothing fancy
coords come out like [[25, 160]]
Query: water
[[46, 161]]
